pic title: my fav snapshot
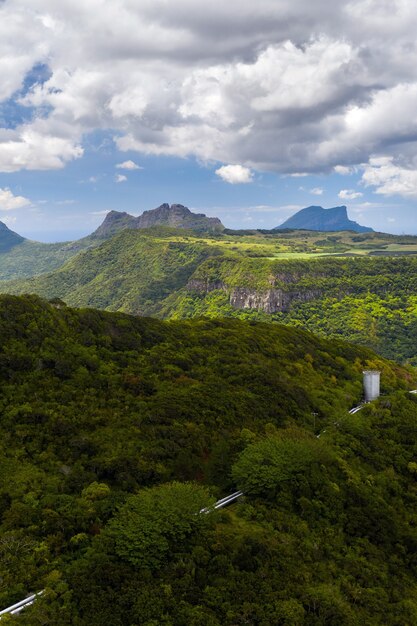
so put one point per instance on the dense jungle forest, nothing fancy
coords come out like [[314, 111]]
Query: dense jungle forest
[[116, 431]]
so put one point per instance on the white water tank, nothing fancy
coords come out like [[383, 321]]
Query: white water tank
[[371, 384]]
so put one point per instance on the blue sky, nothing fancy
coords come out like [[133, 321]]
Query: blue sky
[[246, 112], [71, 202]]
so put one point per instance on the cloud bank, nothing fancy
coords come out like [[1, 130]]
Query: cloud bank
[[288, 87]]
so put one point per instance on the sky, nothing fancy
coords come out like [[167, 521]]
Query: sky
[[244, 110]]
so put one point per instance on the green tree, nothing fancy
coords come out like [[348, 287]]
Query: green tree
[[158, 520], [263, 465]]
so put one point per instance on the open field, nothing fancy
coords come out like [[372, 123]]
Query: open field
[[306, 244]]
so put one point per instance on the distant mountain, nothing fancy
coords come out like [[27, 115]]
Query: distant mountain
[[317, 218], [21, 257], [176, 216], [8, 238]]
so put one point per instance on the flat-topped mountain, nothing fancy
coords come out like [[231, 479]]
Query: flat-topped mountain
[[317, 218], [176, 216]]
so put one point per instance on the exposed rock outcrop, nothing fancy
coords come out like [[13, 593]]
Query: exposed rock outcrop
[[267, 300], [176, 216], [205, 286]]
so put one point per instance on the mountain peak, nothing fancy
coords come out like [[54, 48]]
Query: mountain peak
[[317, 218], [112, 223], [176, 215]]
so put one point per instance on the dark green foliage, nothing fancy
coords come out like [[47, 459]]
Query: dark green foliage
[[264, 465], [116, 430]]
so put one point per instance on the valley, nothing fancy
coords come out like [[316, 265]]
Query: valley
[[360, 287]]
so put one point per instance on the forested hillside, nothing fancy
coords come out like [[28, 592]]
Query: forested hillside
[[115, 431], [369, 300], [131, 272]]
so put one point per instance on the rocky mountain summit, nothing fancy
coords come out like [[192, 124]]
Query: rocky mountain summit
[[317, 218], [176, 216]]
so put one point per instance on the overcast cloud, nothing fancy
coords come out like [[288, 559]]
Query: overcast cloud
[[290, 87]]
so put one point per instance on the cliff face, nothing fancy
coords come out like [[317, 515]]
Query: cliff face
[[113, 222], [317, 218], [268, 300], [175, 216], [178, 216]]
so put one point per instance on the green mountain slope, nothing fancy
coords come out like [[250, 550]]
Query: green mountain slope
[[31, 258], [114, 430], [22, 258], [370, 300], [131, 272]]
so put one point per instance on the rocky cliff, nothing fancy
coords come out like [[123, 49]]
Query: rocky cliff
[[272, 300], [175, 216]]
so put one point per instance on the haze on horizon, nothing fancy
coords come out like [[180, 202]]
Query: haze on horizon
[[245, 111]]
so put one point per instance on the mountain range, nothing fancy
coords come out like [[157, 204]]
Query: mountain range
[[22, 258], [118, 433], [175, 216], [317, 218], [326, 282]]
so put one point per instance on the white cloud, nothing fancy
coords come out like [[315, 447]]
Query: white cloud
[[128, 165], [317, 191], [9, 202], [390, 178], [344, 170], [120, 178], [291, 86], [32, 147], [349, 194], [235, 174]]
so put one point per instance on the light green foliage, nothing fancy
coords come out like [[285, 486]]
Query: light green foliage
[[157, 521], [265, 464]]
